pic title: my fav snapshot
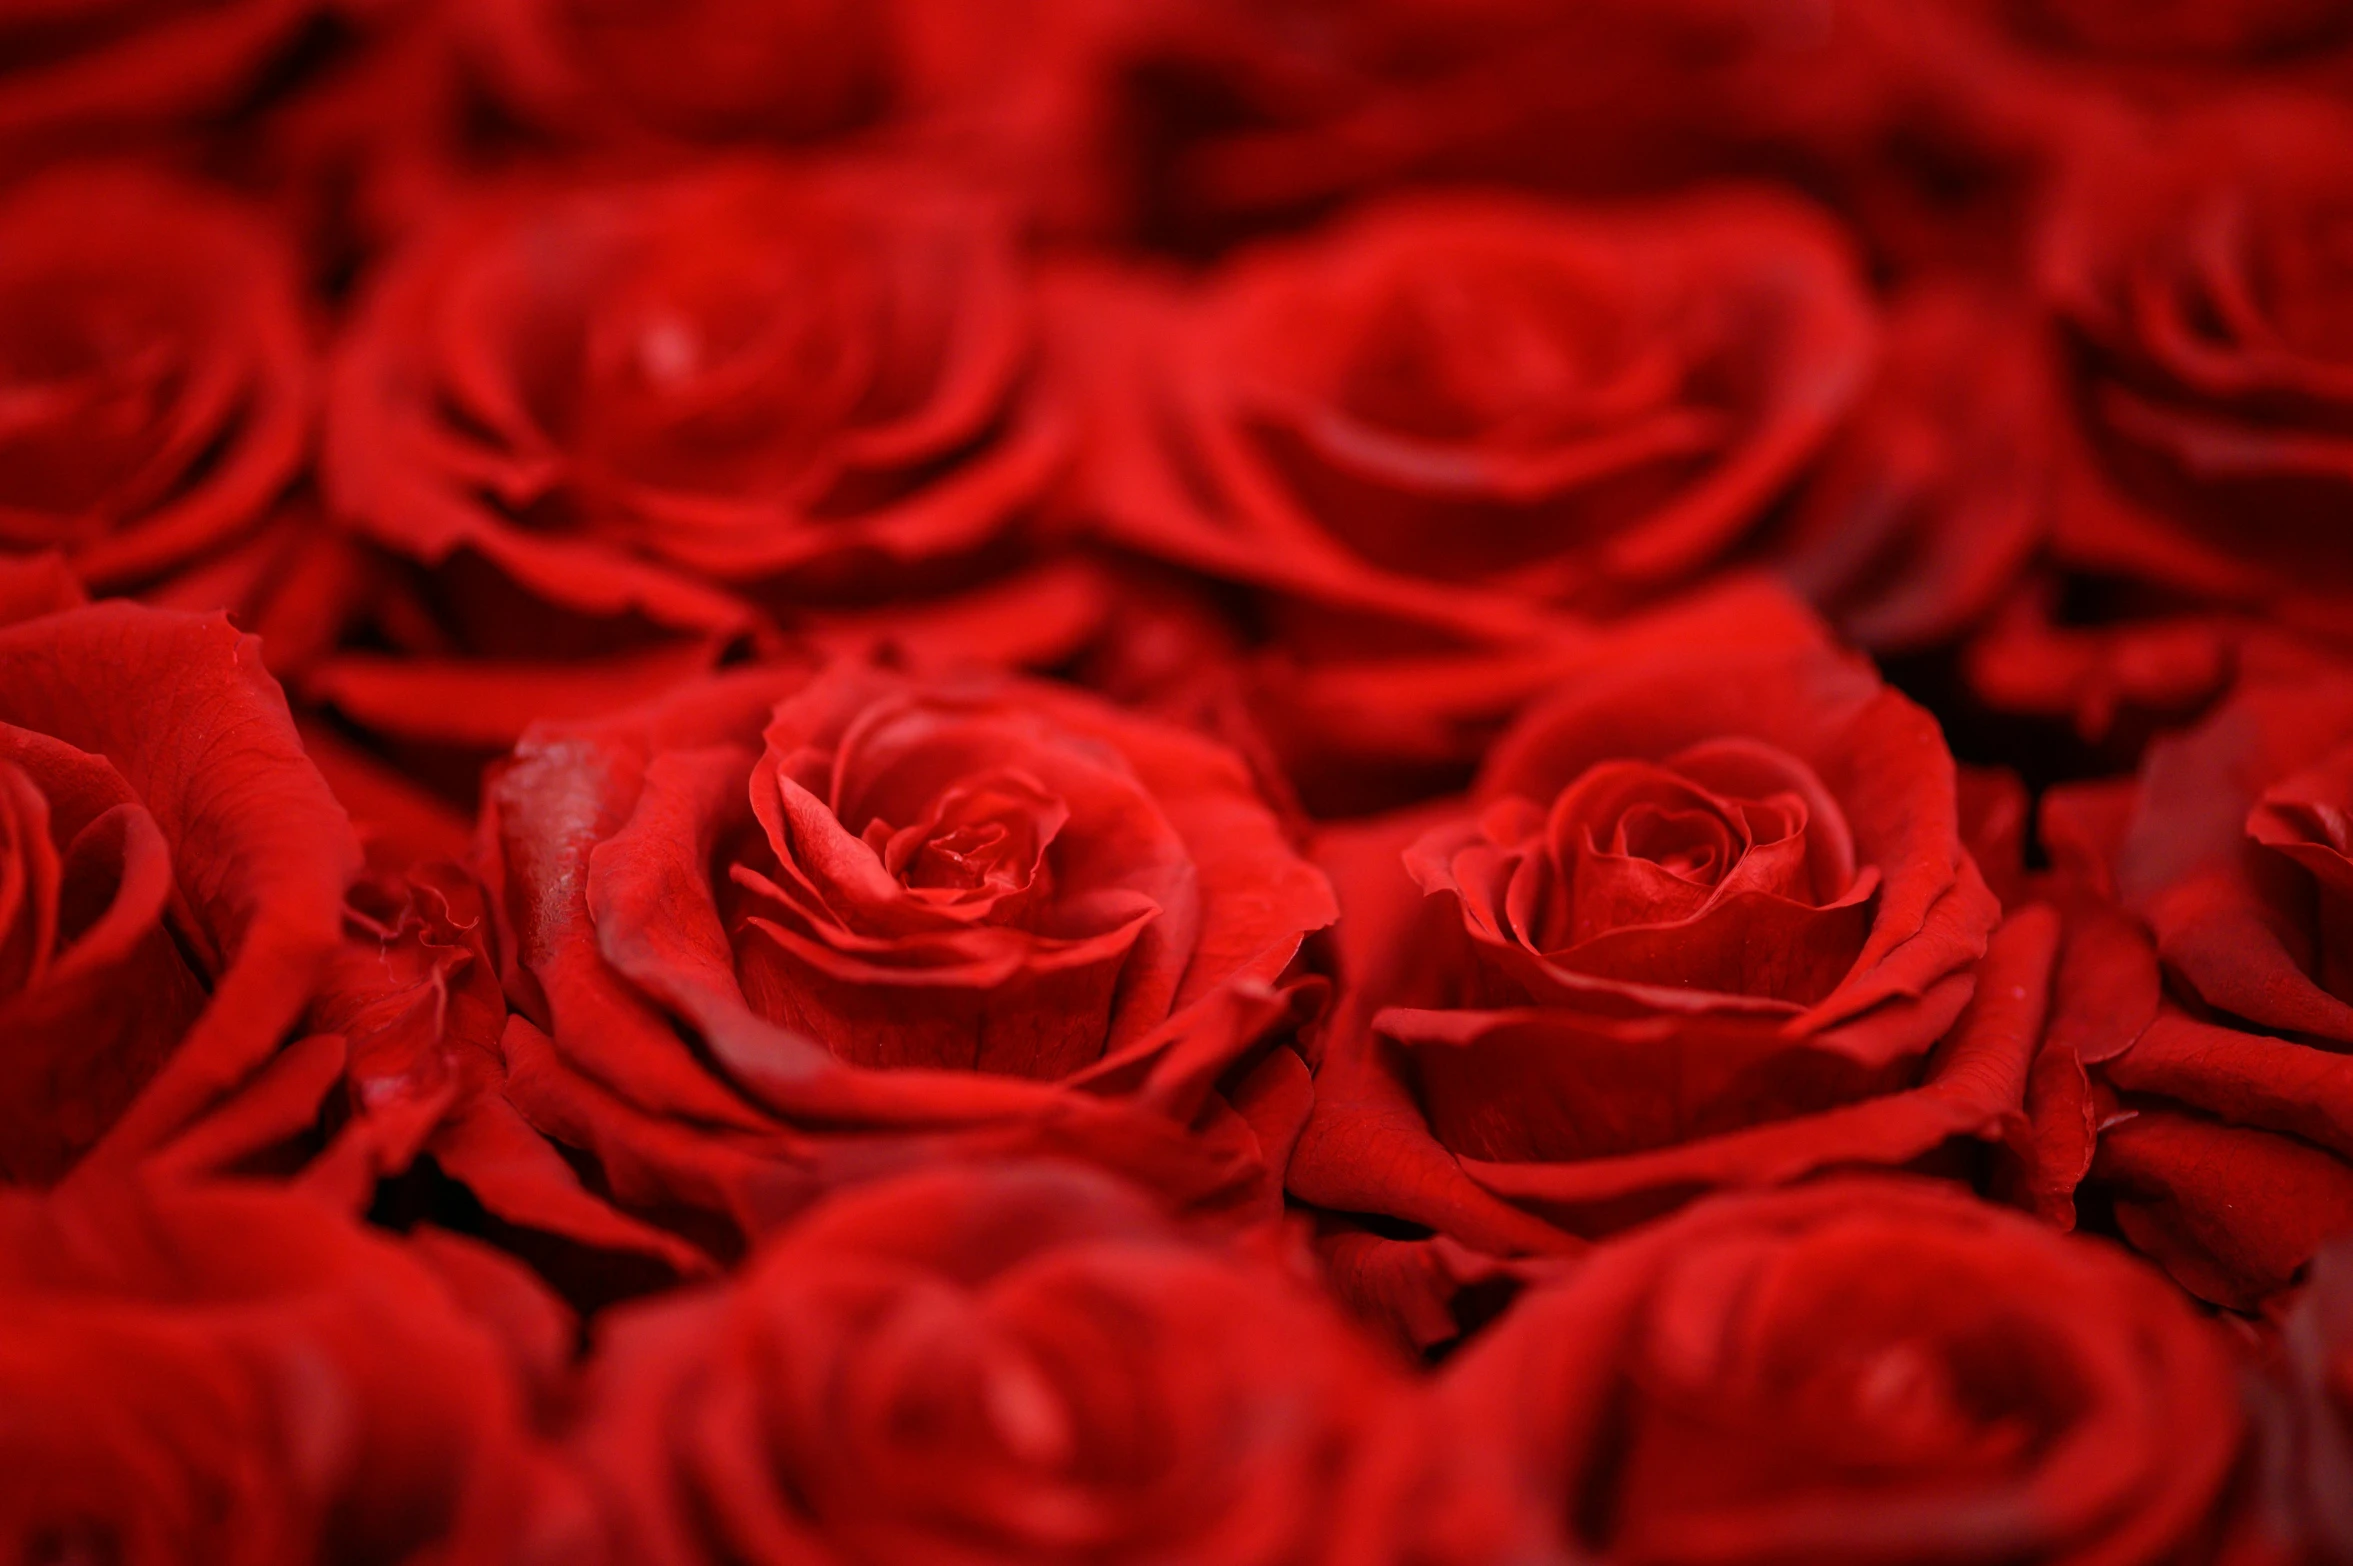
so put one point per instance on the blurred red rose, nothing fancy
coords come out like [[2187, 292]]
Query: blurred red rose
[[1857, 1370], [1023, 1362], [895, 914], [2194, 270], [156, 389], [1706, 919], [614, 430], [1930, 503], [1457, 410], [237, 1375], [175, 867]]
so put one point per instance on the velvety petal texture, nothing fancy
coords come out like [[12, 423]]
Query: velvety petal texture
[[1855, 1370], [1700, 923], [171, 868], [890, 912], [2230, 1154]]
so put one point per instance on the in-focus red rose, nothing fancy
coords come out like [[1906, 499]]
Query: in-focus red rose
[[2230, 1157], [245, 1376], [1856, 1370], [893, 914], [1705, 920], [1023, 1362], [71, 67], [155, 369], [2193, 266], [614, 428], [1458, 409], [173, 869]]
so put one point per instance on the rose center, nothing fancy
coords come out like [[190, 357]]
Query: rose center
[[982, 845], [1493, 355]]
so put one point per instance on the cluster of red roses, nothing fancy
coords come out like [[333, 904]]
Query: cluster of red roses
[[857, 781]]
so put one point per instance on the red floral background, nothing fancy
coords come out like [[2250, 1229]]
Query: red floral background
[[1278, 782]]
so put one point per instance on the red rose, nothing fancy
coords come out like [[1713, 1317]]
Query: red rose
[[156, 368], [1859, 1370], [2230, 1157], [80, 67], [1017, 1363], [616, 428], [1936, 494], [1457, 410], [177, 867], [237, 1375], [414, 994], [2202, 471], [896, 914], [1706, 919]]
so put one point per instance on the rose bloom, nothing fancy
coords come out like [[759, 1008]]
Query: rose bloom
[[2225, 1144], [1015, 1362], [229, 1373], [612, 432], [1413, 440], [1856, 1370], [155, 358], [1457, 409], [2190, 266], [76, 69], [895, 916], [172, 867], [1705, 919]]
